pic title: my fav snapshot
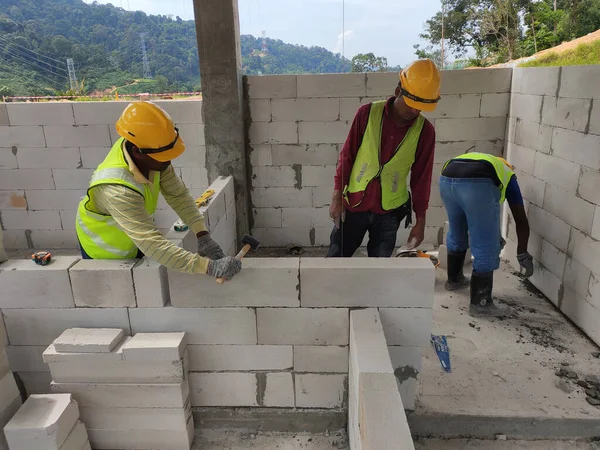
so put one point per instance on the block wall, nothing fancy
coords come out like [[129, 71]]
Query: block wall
[[48, 152], [554, 142], [300, 123], [276, 336]]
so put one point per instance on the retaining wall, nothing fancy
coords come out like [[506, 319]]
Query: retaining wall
[[48, 152], [554, 142], [276, 336], [299, 124]]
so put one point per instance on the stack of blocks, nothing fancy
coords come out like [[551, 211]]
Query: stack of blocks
[[133, 391], [47, 422], [10, 397]]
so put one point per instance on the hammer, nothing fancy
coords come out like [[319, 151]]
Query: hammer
[[250, 243]]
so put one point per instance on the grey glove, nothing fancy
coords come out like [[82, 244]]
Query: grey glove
[[526, 262], [226, 267], [209, 248]]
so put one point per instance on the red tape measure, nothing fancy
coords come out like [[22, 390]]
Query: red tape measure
[[42, 258]]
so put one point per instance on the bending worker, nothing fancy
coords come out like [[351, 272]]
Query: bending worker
[[473, 186], [114, 220], [387, 141]]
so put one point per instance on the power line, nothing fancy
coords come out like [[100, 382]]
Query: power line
[[29, 50], [51, 81], [26, 55], [32, 64]]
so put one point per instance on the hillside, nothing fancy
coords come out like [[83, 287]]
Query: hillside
[[105, 42]]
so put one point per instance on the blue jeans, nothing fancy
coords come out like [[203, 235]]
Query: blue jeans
[[473, 207]]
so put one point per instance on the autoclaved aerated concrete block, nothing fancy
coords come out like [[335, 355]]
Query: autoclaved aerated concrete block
[[155, 347], [218, 358], [409, 327], [24, 284], [8, 389], [77, 438], [223, 389], [407, 363], [320, 359], [151, 284], [103, 283], [367, 282], [134, 439], [279, 390], [320, 391], [367, 342], [42, 423], [88, 340], [262, 282]]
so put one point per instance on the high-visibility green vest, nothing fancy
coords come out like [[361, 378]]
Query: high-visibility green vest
[[99, 234], [393, 174], [503, 172]]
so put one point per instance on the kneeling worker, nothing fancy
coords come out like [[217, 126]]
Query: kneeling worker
[[473, 186], [114, 220]]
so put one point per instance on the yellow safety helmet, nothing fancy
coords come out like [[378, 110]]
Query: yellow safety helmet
[[420, 85], [151, 130], [506, 162]]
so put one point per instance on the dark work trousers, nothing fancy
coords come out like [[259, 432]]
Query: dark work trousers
[[382, 228]]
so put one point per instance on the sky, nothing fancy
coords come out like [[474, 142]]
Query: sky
[[387, 28]]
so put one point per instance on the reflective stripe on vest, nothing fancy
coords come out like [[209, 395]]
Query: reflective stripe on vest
[[99, 235], [503, 172], [393, 175]]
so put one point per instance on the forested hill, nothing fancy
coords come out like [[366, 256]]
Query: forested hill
[[105, 43]]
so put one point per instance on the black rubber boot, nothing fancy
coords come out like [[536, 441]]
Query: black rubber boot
[[481, 297], [456, 277]]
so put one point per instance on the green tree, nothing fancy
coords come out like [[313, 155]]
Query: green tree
[[431, 52], [368, 62]]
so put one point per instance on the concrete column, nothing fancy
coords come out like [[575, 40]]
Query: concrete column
[[218, 34]]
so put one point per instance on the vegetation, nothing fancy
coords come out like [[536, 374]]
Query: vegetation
[[583, 54], [495, 31]]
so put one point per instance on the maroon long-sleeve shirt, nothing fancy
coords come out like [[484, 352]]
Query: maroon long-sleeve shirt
[[391, 137]]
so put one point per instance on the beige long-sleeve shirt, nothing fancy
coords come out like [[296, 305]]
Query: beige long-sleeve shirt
[[128, 210]]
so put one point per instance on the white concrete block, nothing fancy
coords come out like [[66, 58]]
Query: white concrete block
[[53, 199], [569, 208], [261, 155], [318, 176], [42, 423], [13, 200], [306, 155], [4, 364], [445, 151], [484, 128], [406, 362], [577, 147], [26, 179], [103, 283], [51, 355], [588, 185], [523, 158], [382, 84], [268, 217], [279, 390], [183, 111], [192, 133], [27, 220], [26, 358], [332, 85], [54, 239], [553, 259], [274, 133], [218, 358], [526, 107], [145, 347], [24, 284], [151, 284], [585, 250], [407, 327], [274, 176], [194, 177], [72, 178], [305, 110], [48, 158], [456, 106], [67, 219], [171, 395], [476, 81], [42, 326], [321, 197], [323, 132], [203, 326], [223, 389], [260, 110], [594, 120], [91, 157], [98, 113], [579, 82], [349, 107], [4, 115], [537, 80], [383, 423], [569, 113], [549, 227], [577, 277], [8, 160], [167, 419], [582, 313], [88, 340], [281, 197], [281, 237], [596, 226], [560, 173], [532, 189], [77, 439], [5, 416], [395, 282], [133, 439], [368, 343], [77, 136], [8, 389], [272, 86], [547, 282], [302, 326], [305, 217], [36, 382], [320, 391], [262, 282], [495, 105], [22, 136], [533, 135], [319, 359]]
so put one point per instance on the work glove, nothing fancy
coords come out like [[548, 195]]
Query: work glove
[[526, 262], [209, 248], [226, 267]]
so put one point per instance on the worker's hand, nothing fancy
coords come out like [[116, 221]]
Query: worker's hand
[[526, 262], [209, 248], [336, 211], [226, 267], [416, 236]]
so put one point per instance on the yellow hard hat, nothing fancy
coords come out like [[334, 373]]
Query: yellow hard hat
[[151, 130], [420, 85], [506, 162]]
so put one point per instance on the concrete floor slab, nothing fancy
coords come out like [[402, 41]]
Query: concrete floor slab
[[503, 371], [234, 440], [461, 444]]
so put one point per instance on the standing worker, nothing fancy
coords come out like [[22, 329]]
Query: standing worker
[[473, 186], [114, 220], [387, 141]]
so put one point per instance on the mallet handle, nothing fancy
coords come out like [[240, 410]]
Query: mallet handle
[[245, 249]]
